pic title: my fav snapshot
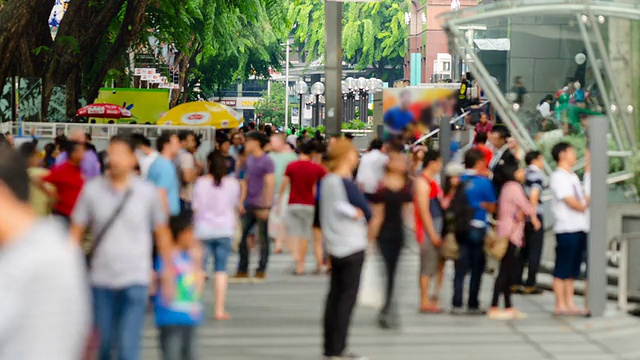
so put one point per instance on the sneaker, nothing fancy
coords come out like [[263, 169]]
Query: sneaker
[[240, 278], [518, 315], [457, 311], [499, 314], [532, 290], [259, 277], [476, 311]]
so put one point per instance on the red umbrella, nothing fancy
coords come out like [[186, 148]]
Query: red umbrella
[[104, 111]]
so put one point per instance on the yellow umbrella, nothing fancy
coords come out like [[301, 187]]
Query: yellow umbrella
[[202, 113]]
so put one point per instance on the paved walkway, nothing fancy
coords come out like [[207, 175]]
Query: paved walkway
[[280, 320]]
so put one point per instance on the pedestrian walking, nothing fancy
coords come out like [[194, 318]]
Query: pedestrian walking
[[39, 200], [371, 168], [301, 176], [90, 164], [124, 213], [472, 204], [429, 224], [145, 153], [44, 310], [215, 203], [570, 205], [502, 158], [281, 155], [390, 203], [67, 179], [179, 315], [513, 208], [344, 213], [257, 201], [531, 253], [185, 162], [163, 173]]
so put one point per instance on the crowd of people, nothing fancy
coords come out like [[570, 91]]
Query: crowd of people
[[150, 220]]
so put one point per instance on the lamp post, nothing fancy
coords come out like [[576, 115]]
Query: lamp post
[[351, 98], [317, 89], [301, 89], [363, 92]]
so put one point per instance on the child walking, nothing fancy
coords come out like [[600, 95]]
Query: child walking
[[178, 311]]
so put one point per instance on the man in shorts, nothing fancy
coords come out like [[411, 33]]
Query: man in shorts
[[302, 176], [570, 205]]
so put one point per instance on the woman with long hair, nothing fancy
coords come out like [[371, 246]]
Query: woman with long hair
[[513, 208], [216, 198], [387, 224], [344, 213]]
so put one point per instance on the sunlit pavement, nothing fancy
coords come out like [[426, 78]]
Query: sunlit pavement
[[281, 319]]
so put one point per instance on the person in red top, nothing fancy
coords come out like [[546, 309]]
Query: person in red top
[[484, 125], [302, 176], [480, 144], [67, 180], [429, 224]]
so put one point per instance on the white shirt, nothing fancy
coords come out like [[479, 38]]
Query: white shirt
[[145, 161], [371, 170], [45, 306], [563, 185], [292, 139], [544, 109], [587, 191]]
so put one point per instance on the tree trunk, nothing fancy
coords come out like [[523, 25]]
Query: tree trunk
[[131, 26], [75, 39], [182, 61], [15, 18]]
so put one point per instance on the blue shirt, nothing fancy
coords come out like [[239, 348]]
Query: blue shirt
[[164, 175], [397, 119], [186, 306], [478, 190]]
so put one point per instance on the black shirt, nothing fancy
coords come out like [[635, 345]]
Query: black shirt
[[393, 202]]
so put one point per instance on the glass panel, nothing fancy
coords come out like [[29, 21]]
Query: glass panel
[[58, 104], [5, 101], [30, 99]]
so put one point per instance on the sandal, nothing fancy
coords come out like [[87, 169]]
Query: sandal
[[295, 273], [561, 313], [431, 310], [223, 317]]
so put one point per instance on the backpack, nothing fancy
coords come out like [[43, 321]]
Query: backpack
[[459, 215]]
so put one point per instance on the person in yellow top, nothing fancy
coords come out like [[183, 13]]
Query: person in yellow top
[[39, 199]]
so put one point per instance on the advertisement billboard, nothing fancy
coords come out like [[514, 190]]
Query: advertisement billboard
[[421, 107], [146, 105]]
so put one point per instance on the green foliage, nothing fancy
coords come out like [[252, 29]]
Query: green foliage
[[354, 125], [374, 33], [270, 109]]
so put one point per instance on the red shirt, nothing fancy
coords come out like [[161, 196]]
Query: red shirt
[[484, 128], [486, 151], [303, 176], [67, 178]]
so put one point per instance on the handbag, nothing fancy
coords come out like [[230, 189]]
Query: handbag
[[450, 249], [97, 239], [495, 245]]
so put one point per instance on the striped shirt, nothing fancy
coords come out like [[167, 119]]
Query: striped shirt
[[534, 179]]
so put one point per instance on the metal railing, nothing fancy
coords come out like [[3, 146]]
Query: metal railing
[[104, 131], [453, 120], [623, 267]]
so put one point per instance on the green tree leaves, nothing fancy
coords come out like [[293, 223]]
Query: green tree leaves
[[373, 33]]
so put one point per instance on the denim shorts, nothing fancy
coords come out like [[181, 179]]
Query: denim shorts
[[219, 249], [570, 251]]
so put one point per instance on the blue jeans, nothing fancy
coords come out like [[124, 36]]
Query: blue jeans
[[119, 319], [219, 249], [472, 259]]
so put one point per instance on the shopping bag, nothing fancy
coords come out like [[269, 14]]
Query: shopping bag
[[371, 292]]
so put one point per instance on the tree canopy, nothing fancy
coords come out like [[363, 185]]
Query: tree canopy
[[214, 41], [270, 109], [373, 34]]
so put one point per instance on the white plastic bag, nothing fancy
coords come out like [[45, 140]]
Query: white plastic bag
[[371, 282]]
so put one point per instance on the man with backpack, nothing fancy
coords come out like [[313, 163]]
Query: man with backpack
[[470, 208]]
